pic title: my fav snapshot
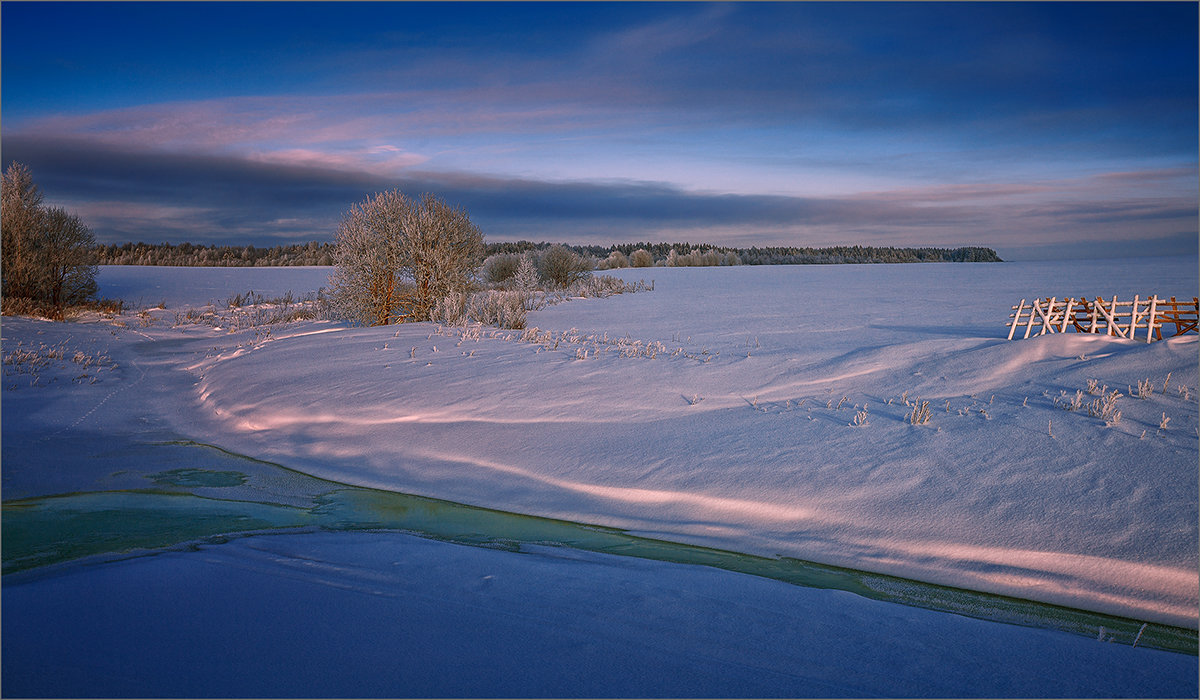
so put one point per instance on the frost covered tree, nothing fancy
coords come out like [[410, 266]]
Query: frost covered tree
[[526, 282], [396, 258], [526, 277], [48, 255]]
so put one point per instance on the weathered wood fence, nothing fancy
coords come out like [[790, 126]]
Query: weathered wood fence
[[1110, 317]]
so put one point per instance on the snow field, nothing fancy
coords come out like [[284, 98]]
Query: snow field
[[749, 409], [739, 433]]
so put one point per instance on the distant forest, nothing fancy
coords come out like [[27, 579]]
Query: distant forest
[[314, 253]]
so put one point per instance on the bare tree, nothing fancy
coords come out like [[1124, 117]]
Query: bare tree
[[396, 258], [48, 254], [21, 214], [69, 269]]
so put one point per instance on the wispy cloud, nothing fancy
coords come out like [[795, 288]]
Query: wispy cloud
[[384, 160]]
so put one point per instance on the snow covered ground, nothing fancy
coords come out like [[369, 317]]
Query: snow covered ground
[[759, 410]]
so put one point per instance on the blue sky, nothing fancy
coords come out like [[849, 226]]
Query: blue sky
[[1038, 129]]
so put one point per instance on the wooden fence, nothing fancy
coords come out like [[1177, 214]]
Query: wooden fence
[[1110, 317]]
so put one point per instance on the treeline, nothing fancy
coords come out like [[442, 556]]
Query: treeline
[[660, 254], [664, 254], [864, 254], [189, 255]]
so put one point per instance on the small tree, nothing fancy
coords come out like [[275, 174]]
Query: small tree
[[396, 258], [526, 281], [526, 277]]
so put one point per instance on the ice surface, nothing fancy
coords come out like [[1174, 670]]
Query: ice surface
[[389, 615]]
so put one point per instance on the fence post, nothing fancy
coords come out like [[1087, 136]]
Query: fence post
[[1067, 314], [1111, 315], [1150, 320], [1032, 314], [1047, 316], [1016, 319], [1133, 317]]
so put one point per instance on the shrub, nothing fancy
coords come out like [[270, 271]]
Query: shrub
[[560, 267], [501, 308], [696, 258], [604, 286], [615, 261], [493, 307], [641, 258], [501, 267]]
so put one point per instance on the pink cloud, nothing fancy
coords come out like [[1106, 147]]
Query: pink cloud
[[377, 160]]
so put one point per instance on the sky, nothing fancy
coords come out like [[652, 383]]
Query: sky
[[1040, 130]]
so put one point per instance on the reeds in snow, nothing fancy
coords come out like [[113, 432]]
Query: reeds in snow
[[920, 412], [1145, 389]]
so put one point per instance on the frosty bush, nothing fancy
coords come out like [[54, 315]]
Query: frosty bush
[[604, 286], [396, 258], [615, 261], [696, 258], [559, 266], [500, 268], [500, 308], [641, 258], [526, 282], [451, 309], [493, 307]]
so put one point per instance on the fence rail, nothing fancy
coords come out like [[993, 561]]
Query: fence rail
[[1110, 317]]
